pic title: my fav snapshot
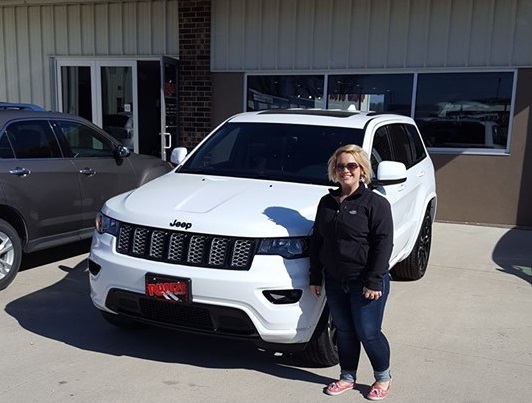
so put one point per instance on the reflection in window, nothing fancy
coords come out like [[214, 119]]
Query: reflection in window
[[464, 110], [85, 142], [371, 92], [274, 92], [76, 91]]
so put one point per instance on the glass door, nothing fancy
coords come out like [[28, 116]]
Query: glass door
[[169, 106], [117, 104], [103, 92]]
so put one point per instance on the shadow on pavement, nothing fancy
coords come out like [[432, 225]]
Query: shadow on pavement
[[64, 312], [513, 253]]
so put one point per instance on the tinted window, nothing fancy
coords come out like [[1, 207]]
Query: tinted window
[[464, 110], [418, 151], [33, 139], [381, 150], [5, 146], [84, 141], [285, 152], [402, 150]]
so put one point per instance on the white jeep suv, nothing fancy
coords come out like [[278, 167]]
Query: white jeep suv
[[220, 245]]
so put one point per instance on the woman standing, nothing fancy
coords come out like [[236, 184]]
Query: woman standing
[[350, 250]]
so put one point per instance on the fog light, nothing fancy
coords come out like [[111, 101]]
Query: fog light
[[94, 267], [278, 297]]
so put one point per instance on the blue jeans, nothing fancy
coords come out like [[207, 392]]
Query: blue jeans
[[358, 322]]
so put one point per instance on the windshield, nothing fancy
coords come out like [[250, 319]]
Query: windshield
[[274, 151]]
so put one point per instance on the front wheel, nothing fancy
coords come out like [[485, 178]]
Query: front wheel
[[321, 350], [415, 265], [10, 254]]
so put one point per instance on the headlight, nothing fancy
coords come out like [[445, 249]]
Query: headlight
[[289, 248], [107, 225]]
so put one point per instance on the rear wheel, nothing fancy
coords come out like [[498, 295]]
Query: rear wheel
[[10, 254], [415, 265], [321, 350]]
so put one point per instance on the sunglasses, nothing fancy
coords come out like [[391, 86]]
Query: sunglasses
[[351, 166]]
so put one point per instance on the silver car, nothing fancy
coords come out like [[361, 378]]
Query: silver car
[[56, 172]]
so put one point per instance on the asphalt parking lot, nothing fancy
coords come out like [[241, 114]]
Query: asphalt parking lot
[[463, 333]]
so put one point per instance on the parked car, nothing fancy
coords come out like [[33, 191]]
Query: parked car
[[56, 171], [221, 245]]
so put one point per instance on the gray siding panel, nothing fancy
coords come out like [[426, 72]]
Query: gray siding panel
[[370, 34], [31, 34]]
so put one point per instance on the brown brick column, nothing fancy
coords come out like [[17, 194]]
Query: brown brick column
[[195, 92]]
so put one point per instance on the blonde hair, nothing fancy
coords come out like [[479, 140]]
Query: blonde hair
[[361, 158]]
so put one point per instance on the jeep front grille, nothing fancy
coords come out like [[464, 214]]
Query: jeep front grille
[[186, 248]]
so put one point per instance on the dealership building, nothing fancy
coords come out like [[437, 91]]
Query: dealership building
[[172, 70]]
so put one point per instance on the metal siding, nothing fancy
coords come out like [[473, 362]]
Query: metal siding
[[290, 35], [251, 35], [236, 30], [31, 34], [88, 35], [522, 49], [303, 42]]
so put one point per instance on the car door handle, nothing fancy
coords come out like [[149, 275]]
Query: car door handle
[[87, 171], [19, 171], [421, 174]]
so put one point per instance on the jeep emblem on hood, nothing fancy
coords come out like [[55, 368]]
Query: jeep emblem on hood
[[185, 225]]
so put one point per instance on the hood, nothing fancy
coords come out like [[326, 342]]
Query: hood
[[220, 205]]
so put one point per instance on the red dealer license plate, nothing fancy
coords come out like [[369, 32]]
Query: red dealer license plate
[[171, 289]]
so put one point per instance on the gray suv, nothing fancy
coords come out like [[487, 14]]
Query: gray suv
[[56, 171]]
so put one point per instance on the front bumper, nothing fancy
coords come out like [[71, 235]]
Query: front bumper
[[224, 302]]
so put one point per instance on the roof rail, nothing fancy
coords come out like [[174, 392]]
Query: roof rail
[[20, 106]]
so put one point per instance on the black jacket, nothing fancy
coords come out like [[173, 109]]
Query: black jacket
[[352, 239]]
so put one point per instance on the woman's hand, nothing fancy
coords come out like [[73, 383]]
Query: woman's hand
[[371, 294], [315, 290]]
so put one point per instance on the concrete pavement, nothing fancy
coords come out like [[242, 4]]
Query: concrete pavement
[[463, 333]]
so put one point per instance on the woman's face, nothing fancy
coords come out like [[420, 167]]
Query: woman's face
[[348, 171]]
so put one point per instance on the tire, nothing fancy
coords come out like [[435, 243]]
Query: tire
[[121, 321], [321, 350], [10, 254], [415, 265]]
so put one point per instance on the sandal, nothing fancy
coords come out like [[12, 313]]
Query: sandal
[[377, 393], [337, 388]]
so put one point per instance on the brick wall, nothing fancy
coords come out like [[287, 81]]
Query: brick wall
[[195, 98]]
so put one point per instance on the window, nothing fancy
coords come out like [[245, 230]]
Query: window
[[402, 152], [464, 110], [293, 91], [84, 141], [33, 139], [5, 147], [418, 151], [382, 149], [371, 92]]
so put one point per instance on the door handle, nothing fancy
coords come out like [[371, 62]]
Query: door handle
[[167, 139], [421, 174], [19, 171], [87, 171]]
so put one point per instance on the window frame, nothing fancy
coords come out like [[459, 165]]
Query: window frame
[[505, 151]]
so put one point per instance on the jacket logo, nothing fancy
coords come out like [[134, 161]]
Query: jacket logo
[[185, 225], [352, 212]]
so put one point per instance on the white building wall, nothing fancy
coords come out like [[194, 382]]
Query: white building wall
[[251, 35], [32, 32]]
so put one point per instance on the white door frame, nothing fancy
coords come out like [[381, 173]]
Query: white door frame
[[95, 65]]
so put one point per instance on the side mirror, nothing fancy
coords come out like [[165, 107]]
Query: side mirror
[[122, 152], [178, 155], [390, 173]]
